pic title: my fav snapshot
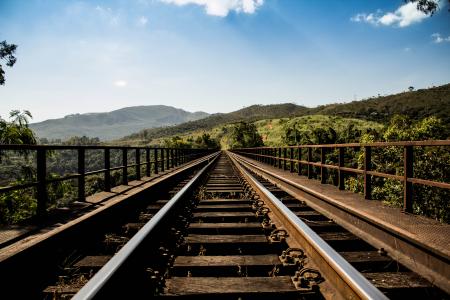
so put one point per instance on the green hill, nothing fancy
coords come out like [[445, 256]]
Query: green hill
[[114, 124], [273, 130], [417, 105], [249, 114]]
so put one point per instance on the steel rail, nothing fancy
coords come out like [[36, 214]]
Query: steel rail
[[357, 282], [98, 281]]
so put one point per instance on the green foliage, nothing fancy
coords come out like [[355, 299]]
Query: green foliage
[[6, 53], [82, 141], [17, 205], [202, 141], [16, 130], [245, 135], [322, 130], [428, 7], [431, 163]]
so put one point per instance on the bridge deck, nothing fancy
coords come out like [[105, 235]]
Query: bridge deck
[[14, 233], [428, 232]]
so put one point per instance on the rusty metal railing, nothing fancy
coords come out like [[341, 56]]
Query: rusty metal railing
[[293, 158], [163, 159]]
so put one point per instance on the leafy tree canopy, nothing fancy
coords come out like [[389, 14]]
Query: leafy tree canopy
[[245, 135], [6, 53], [16, 130], [428, 7]]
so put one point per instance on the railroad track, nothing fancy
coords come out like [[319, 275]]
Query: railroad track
[[228, 233]]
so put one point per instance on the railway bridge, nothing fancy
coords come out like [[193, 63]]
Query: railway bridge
[[254, 223]]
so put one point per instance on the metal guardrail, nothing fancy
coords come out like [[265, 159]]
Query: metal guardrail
[[94, 286], [354, 279], [163, 159], [281, 156]]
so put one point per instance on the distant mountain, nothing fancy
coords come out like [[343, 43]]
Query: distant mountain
[[114, 124], [416, 104]]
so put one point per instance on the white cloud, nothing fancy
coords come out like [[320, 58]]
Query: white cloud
[[221, 8], [404, 16], [142, 21], [108, 15], [120, 83], [437, 38]]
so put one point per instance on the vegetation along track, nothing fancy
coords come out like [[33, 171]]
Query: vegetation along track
[[227, 233]]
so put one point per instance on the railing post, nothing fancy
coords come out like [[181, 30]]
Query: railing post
[[367, 177], [167, 158], [148, 168], [81, 174], [341, 179], [408, 165], [310, 167], [162, 159], [299, 158], [177, 157], [274, 157], [284, 158], [323, 170], [41, 176], [291, 156], [138, 164], [156, 160], [279, 158], [124, 166], [107, 157]]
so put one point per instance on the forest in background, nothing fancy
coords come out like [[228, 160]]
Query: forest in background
[[273, 125]]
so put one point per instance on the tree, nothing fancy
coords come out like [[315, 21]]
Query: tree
[[16, 131], [245, 135], [428, 7], [6, 53]]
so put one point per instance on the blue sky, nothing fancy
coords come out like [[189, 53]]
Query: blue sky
[[215, 55]]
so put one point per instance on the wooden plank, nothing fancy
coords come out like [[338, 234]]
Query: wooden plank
[[222, 184], [225, 261], [225, 228], [307, 213], [396, 280], [225, 201], [179, 286], [364, 256], [224, 214], [225, 239], [63, 290], [225, 225], [224, 190], [97, 261], [338, 236], [226, 207], [310, 215]]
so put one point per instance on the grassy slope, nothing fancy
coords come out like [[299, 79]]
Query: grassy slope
[[417, 105], [272, 130]]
